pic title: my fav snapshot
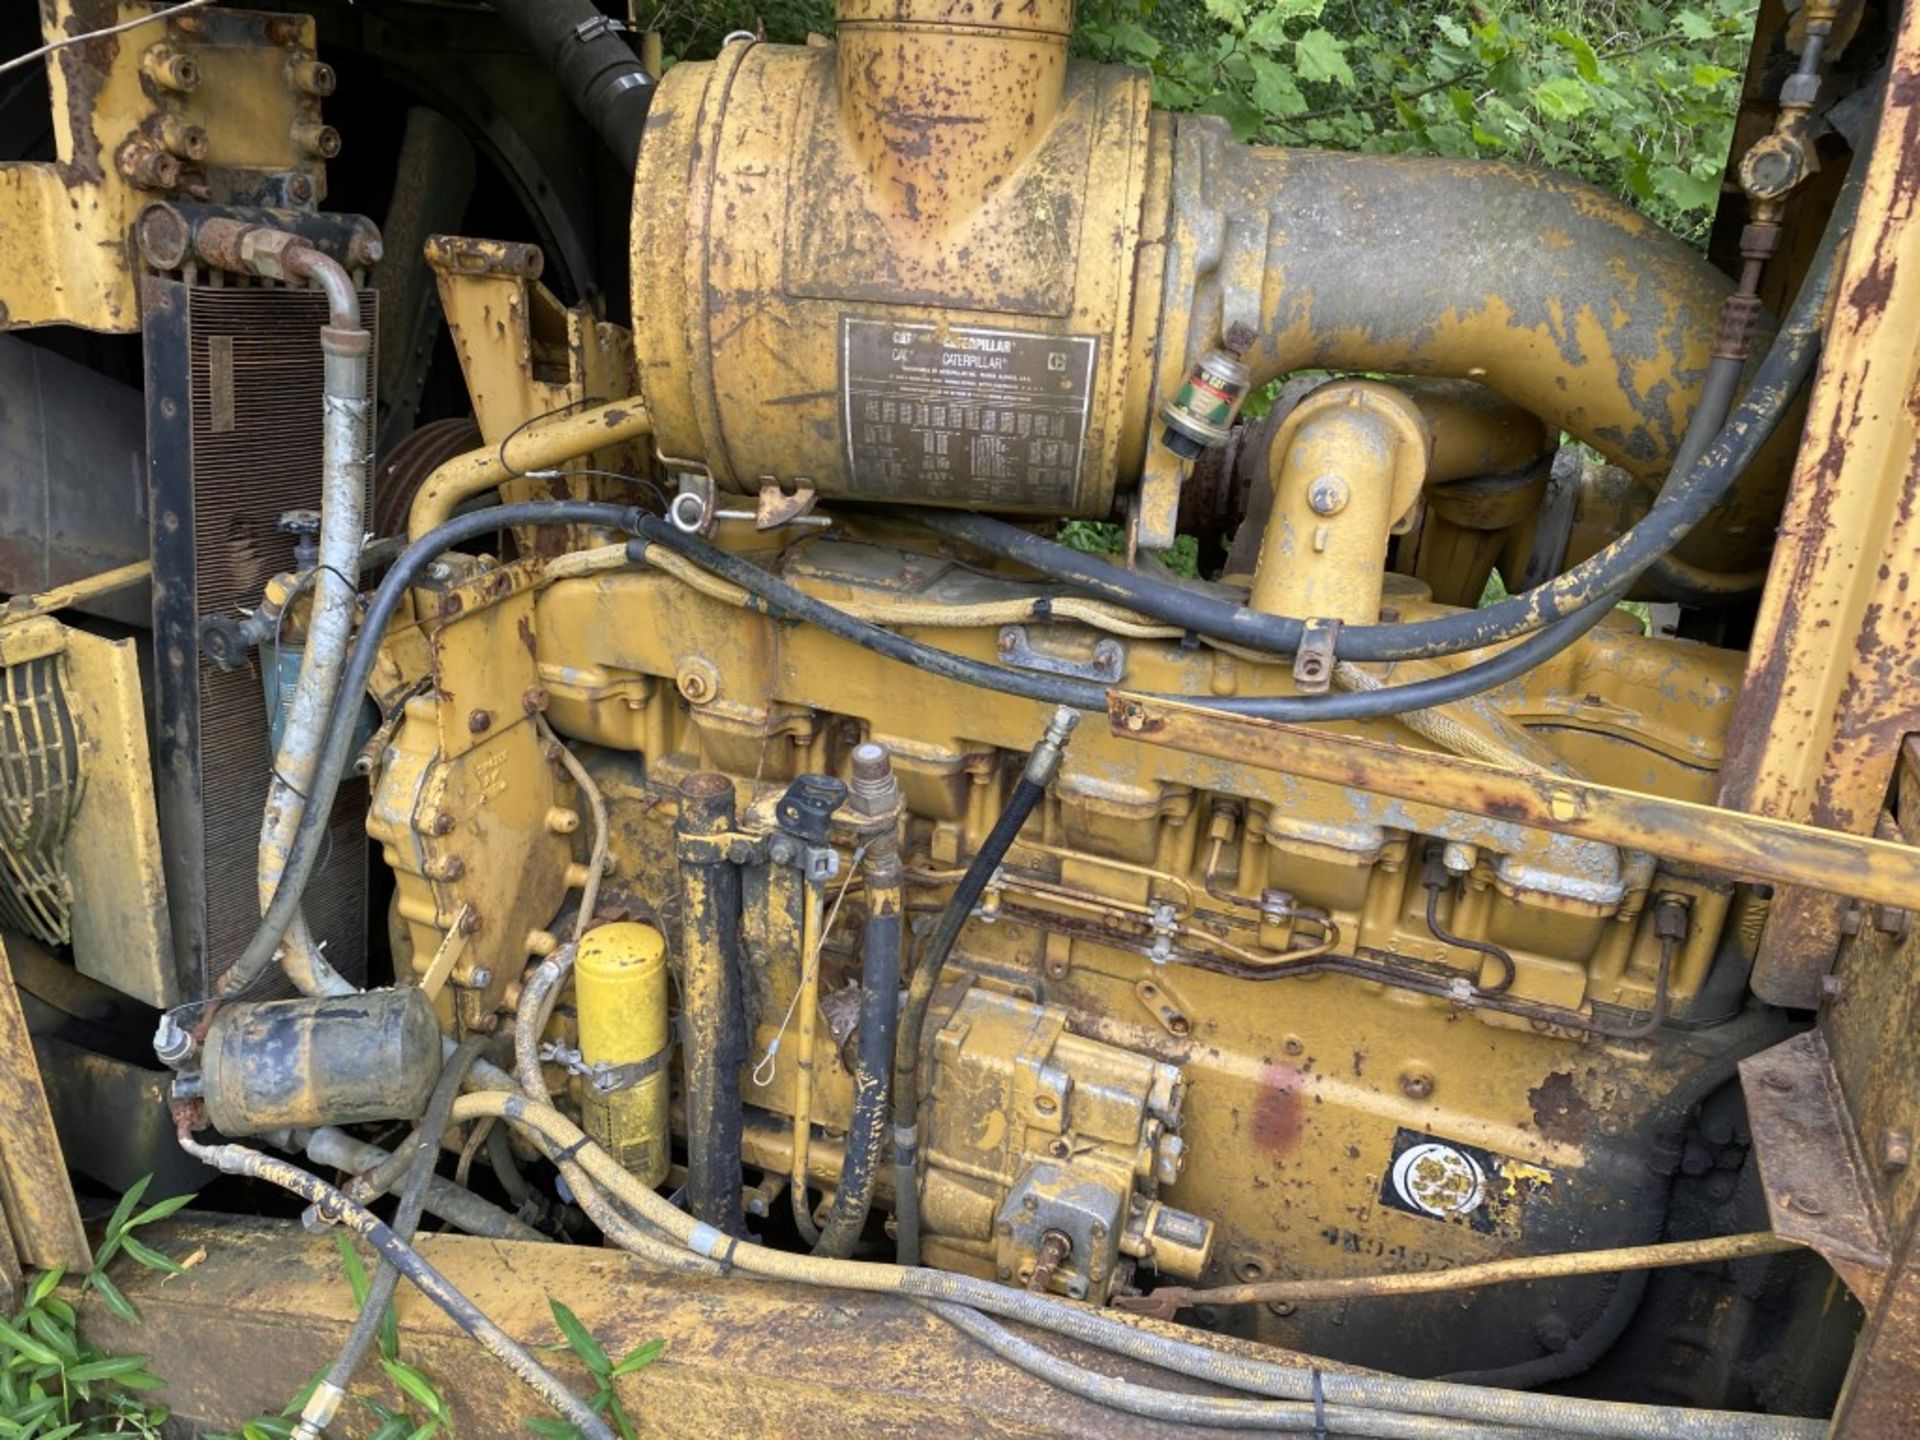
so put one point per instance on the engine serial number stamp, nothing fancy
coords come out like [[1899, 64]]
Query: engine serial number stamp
[[962, 415]]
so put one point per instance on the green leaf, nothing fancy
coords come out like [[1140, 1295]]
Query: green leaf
[[110, 1292], [267, 1427], [356, 1271], [1694, 25], [43, 1284], [639, 1357], [389, 1334], [394, 1429], [19, 1340], [107, 1368], [580, 1339], [1135, 40], [1584, 60], [1562, 98], [1706, 77], [124, 1210], [55, 1335], [140, 1380], [550, 1428], [416, 1387], [162, 1210], [1321, 55], [305, 1393], [1274, 90], [58, 1308], [1231, 13], [144, 1254], [1684, 191], [424, 1431]]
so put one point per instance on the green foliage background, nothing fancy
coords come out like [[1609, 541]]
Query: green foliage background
[[1637, 97]]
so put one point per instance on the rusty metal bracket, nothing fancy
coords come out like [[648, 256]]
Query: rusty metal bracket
[[1106, 666], [1313, 662], [1811, 1166], [1751, 847]]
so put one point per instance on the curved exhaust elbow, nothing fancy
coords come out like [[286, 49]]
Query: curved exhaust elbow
[[1539, 286]]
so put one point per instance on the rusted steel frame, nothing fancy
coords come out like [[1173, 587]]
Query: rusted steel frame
[[1811, 1164], [1753, 847], [79, 592], [1830, 689], [1882, 1393], [41, 1215]]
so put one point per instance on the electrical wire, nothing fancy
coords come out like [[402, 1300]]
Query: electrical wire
[[19, 61]]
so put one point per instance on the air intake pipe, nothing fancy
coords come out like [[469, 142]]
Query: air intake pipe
[[938, 263]]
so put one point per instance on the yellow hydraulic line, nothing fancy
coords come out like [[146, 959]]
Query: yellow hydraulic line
[[542, 445]]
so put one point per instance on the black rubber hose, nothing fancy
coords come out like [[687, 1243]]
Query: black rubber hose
[[1682, 503], [596, 69], [334, 1206], [1042, 763], [782, 599], [879, 1017], [712, 999], [311, 838], [423, 1150]]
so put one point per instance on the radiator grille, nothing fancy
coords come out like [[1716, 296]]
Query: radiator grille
[[242, 367], [39, 791]]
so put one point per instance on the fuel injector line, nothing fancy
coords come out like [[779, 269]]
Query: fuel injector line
[[334, 1206], [1684, 500], [1043, 763], [423, 1150], [712, 999], [874, 794]]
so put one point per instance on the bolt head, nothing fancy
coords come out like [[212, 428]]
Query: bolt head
[[1416, 1084], [1329, 495]]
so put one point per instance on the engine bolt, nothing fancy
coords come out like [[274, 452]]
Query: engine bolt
[[1416, 1084], [1328, 495], [479, 722]]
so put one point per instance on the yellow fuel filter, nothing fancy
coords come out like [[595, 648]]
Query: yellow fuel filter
[[620, 991]]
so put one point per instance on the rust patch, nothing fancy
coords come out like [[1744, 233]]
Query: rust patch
[[1278, 1110], [1560, 1111]]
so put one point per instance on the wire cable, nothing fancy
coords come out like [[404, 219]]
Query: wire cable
[[20, 61]]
